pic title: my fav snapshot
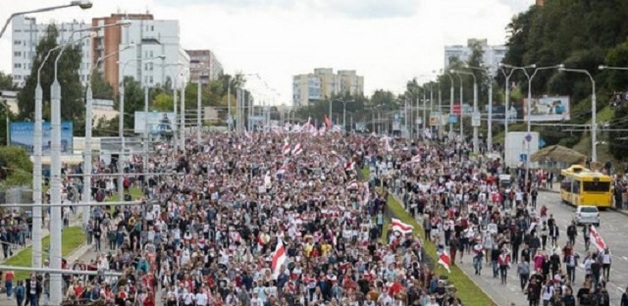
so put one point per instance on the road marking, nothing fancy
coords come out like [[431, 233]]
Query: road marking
[[624, 258]]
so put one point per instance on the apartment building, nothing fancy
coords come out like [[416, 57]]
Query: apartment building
[[204, 65], [324, 83], [26, 34], [493, 55]]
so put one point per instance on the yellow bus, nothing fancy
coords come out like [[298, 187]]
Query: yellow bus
[[581, 186]]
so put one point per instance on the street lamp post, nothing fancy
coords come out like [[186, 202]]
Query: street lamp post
[[461, 108], [121, 123], [489, 137], [561, 67], [475, 122], [87, 159], [507, 94], [82, 4], [451, 105]]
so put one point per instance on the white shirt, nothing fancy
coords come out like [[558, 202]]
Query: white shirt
[[201, 299]]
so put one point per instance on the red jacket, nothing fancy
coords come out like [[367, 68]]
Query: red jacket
[[504, 259]]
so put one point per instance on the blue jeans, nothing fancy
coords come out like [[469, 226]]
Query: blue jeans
[[495, 269], [9, 286], [34, 299], [477, 264]]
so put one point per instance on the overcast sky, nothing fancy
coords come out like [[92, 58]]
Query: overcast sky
[[386, 41]]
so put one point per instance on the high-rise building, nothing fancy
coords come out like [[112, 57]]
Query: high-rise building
[[493, 55], [26, 34], [151, 40], [204, 64], [107, 41], [323, 83]]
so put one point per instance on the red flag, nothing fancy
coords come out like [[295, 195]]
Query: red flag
[[328, 122], [596, 238], [445, 260], [279, 257], [399, 226]]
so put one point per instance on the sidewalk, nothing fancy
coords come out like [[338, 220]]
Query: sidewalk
[[75, 220]]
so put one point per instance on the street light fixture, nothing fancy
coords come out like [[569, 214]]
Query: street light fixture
[[561, 68], [87, 159], [529, 110], [55, 172], [37, 159], [344, 111], [489, 138], [475, 120], [82, 4]]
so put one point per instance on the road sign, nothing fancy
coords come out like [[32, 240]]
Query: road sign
[[523, 157], [528, 138], [475, 120], [541, 143], [453, 119], [418, 121]]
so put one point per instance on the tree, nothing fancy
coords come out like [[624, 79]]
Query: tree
[[72, 104], [163, 102], [6, 82], [133, 100], [15, 167], [101, 89]]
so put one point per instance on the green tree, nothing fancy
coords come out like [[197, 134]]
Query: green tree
[[133, 101], [6, 82], [15, 167], [72, 104], [101, 89], [163, 102]]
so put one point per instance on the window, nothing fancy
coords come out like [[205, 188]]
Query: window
[[17, 53], [17, 65], [597, 186], [565, 185], [152, 28], [151, 79], [17, 42]]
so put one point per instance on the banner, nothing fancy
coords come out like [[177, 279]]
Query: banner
[[156, 122], [547, 109], [23, 134]]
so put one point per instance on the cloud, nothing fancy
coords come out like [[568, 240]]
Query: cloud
[[517, 5]]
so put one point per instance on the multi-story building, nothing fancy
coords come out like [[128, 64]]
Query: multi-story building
[[323, 83], [204, 65], [493, 55], [156, 57], [107, 41], [149, 40], [26, 35]]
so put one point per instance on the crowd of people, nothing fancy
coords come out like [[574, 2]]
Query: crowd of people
[[213, 221], [619, 98], [286, 218]]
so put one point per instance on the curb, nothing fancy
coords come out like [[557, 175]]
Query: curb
[[462, 270], [78, 252]]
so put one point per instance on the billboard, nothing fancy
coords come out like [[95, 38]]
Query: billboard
[[23, 134], [156, 122], [514, 114], [547, 109]]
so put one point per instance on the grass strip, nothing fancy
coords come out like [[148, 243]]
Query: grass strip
[[467, 290], [73, 237]]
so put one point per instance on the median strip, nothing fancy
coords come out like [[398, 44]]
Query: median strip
[[73, 237]]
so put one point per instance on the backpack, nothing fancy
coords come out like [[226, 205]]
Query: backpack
[[19, 292]]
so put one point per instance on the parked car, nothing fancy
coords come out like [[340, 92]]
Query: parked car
[[587, 215]]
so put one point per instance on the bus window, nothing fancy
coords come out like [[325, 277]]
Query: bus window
[[575, 187], [565, 185], [597, 186]]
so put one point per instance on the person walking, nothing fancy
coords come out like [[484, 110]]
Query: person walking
[[504, 265], [523, 269], [9, 277], [571, 262], [572, 232], [20, 293], [606, 264]]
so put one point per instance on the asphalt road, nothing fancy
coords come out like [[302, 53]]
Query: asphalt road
[[612, 231]]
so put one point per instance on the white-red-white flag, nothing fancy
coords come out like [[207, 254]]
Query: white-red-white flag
[[298, 149], [286, 148], [279, 257], [596, 239], [401, 227], [532, 227], [445, 260]]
